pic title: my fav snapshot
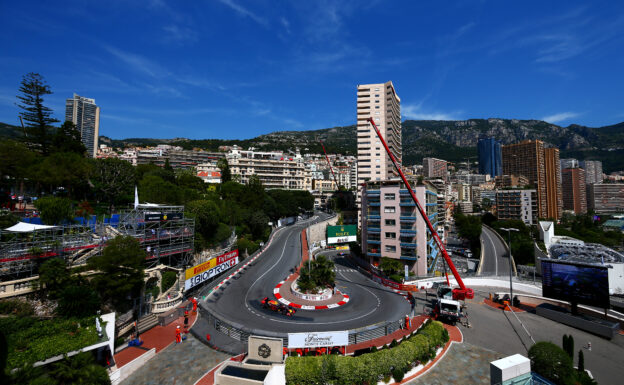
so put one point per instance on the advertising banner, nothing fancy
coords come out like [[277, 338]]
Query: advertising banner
[[318, 339], [204, 271], [153, 217], [341, 234]]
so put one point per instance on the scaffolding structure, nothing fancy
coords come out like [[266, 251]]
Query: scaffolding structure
[[163, 232]]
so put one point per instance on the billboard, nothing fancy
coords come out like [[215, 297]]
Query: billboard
[[204, 271], [341, 234], [576, 282], [318, 339]]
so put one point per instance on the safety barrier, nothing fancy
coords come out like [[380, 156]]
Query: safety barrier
[[241, 333]]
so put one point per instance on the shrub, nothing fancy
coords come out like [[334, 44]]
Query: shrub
[[369, 367], [168, 279], [397, 375], [16, 307], [551, 362]]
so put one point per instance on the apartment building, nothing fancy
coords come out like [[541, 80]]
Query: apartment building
[[275, 169], [605, 197], [541, 167], [85, 115], [392, 227], [573, 189], [593, 171], [517, 205], [435, 168]]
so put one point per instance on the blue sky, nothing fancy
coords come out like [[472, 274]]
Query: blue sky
[[238, 69]]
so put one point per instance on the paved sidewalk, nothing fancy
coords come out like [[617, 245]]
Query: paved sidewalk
[[158, 337], [463, 364], [180, 364]]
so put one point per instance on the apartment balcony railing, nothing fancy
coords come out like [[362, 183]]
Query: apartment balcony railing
[[373, 229], [407, 218], [407, 203], [408, 245], [410, 232], [373, 241]]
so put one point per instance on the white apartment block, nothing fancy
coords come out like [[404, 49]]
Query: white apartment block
[[276, 170], [381, 102]]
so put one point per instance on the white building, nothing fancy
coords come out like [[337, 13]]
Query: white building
[[276, 170]]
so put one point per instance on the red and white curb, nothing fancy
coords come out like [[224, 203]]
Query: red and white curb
[[345, 299]]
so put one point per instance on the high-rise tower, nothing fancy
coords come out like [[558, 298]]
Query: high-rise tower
[[85, 114], [490, 157], [380, 102]]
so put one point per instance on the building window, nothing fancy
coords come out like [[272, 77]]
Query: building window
[[389, 197], [391, 235], [389, 209], [390, 222], [391, 249]]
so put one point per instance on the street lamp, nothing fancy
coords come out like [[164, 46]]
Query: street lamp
[[509, 230]]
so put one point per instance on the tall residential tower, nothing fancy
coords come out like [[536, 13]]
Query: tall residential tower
[[380, 102], [85, 114]]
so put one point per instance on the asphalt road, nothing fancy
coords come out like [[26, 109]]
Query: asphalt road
[[495, 261], [503, 333], [239, 303]]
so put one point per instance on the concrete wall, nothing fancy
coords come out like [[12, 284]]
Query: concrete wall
[[125, 371], [318, 231]]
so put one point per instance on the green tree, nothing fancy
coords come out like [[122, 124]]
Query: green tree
[[390, 266], [581, 361], [226, 175], [114, 180], [323, 271], [78, 300], [37, 117], [68, 139], [121, 267], [53, 276], [206, 214], [64, 169], [258, 224], [551, 362], [80, 369], [15, 159], [54, 210], [154, 189]]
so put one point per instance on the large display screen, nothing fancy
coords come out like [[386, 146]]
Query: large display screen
[[574, 282]]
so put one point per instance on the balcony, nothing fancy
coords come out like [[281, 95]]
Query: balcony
[[407, 203], [370, 254], [373, 217], [372, 192], [373, 241], [409, 257], [406, 218], [373, 229], [410, 232], [374, 204], [406, 245]]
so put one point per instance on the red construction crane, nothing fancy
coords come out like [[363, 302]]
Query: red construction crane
[[462, 292], [330, 166]]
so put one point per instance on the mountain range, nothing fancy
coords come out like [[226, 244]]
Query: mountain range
[[453, 140]]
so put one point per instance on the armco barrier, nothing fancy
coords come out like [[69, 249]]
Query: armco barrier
[[242, 333]]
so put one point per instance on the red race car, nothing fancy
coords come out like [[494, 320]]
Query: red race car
[[277, 307]]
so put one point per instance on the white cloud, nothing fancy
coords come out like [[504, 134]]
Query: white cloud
[[179, 34], [560, 117], [286, 24], [138, 62], [245, 12], [416, 112]]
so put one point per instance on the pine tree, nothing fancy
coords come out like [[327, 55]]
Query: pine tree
[[37, 117], [581, 361]]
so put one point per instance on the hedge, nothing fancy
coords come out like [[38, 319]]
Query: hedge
[[30, 340], [369, 367]]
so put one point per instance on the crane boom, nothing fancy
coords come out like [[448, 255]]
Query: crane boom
[[330, 166], [463, 292]]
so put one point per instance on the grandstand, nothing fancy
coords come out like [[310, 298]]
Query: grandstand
[[164, 233]]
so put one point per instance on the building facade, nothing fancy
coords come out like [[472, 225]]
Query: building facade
[[554, 199], [573, 190], [517, 205], [380, 102], [85, 114], [392, 227], [605, 197], [593, 171], [569, 163], [435, 168], [275, 170], [490, 157]]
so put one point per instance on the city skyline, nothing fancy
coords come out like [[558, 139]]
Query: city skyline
[[227, 69]]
